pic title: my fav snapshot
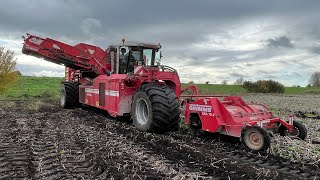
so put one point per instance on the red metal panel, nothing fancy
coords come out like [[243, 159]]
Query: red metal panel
[[102, 94], [118, 96], [113, 93], [82, 94], [125, 98]]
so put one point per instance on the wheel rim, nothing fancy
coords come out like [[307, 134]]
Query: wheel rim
[[142, 111], [63, 96], [254, 140]]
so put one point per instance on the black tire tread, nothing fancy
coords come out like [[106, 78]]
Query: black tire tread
[[302, 130], [165, 107], [72, 94]]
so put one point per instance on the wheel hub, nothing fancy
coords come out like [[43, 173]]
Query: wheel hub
[[142, 111], [255, 139], [293, 133], [62, 96]]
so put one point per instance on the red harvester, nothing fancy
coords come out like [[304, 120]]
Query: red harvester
[[128, 80]]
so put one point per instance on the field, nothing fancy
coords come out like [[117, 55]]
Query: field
[[34, 87], [27, 87], [40, 140], [237, 89]]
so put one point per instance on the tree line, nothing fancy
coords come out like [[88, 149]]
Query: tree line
[[8, 73], [271, 86]]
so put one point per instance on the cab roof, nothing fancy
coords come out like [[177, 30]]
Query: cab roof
[[141, 44]]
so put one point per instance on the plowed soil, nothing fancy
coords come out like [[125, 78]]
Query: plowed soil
[[44, 141]]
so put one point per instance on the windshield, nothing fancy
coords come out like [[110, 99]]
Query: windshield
[[147, 56], [157, 58], [140, 56]]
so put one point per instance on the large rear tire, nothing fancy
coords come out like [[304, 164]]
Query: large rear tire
[[69, 95], [299, 131], [255, 139], [155, 108]]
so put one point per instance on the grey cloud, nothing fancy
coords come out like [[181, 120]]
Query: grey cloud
[[290, 74], [223, 58], [315, 49], [178, 26], [204, 57], [284, 63], [64, 17], [269, 76], [89, 25], [237, 75], [282, 41], [263, 72]]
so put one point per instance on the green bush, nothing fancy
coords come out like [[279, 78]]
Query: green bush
[[312, 91], [263, 86]]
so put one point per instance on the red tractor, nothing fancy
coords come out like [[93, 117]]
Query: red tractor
[[128, 80], [125, 80]]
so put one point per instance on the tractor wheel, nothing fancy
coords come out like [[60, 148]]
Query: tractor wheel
[[69, 95], [155, 109], [255, 139], [194, 125], [299, 130], [76, 90]]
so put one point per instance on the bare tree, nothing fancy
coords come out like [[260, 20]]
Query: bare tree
[[315, 79], [224, 82], [8, 73], [239, 81]]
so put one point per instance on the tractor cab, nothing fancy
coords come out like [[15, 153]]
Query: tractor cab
[[131, 54], [139, 63]]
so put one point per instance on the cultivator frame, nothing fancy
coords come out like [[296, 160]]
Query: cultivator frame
[[232, 116]]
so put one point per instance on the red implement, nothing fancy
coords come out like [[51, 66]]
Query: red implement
[[234, 117]]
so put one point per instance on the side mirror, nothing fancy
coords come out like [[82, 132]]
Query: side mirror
[[161, 55], [123, 51], [112, 48]]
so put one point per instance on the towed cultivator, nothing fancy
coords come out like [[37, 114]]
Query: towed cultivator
[[128, 80], [234, 117]]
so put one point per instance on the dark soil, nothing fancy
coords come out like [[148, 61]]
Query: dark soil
[[48, 142]]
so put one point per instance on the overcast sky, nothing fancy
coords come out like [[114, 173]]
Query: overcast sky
[[209, 40]]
